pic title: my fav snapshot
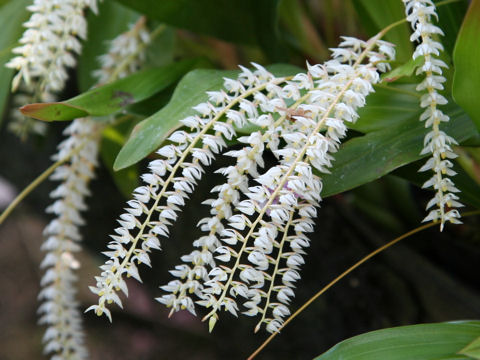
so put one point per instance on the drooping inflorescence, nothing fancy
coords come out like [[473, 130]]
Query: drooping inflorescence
[[48, 47], [170, 181], [126, 53], [254, 240], [437, 142], [50, 43], [59, 309]]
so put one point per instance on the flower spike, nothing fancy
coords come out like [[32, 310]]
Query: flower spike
[[172, 177], [437, 143], [255, 238]]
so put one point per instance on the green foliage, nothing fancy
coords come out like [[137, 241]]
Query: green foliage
[[111, 20], [467, 64], [190, 91], [369, 157], [108, 99], [472, 350], [378, 14], [12, 15], [419, 342], [242, 21]]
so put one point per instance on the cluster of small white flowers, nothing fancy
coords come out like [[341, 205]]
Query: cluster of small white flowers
[[192, 275], [285, 202], [50, 43], [124, 56], [59, 309], [438, 143], [48, 47], [172, 178], [304, 134]]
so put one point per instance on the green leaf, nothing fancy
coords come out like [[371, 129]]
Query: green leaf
[[112, 20], [378, 14], [369, 157], [12, 15], [450, 20], [242, 21], [414, 342], [110, 98], [466, 57], [388, 106], [191, 90], [407, 69], [3, 2], [472, 349], [151, 132]]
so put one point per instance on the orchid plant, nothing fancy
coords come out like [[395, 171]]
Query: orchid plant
[[284, 129]]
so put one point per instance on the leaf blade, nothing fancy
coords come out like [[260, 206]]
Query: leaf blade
[[419, 342], [226, 19], [110, 98], [191, 90], [369, 157], [466, 57], [12, 15]]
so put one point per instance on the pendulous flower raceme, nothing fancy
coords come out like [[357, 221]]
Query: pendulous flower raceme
[[255, 239], [64, 337], [59, 309], [126, 53], [171, 179], [437, 142], [50, 43], [48, 47]]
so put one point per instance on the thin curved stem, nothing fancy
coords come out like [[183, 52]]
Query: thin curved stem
[[37, 182], [345, 273]]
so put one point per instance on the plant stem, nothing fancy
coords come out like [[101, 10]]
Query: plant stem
[[37, 182]]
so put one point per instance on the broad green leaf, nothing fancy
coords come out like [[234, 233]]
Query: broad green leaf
[[151, 105], [466, 57], [472, 349], [369, 157], [110, 98], [12, 15], [112, 20], [151, 132], [450, 20], [378, 14], [242, 21], [407, 69], [414, 342], [388, 106], [190, 91]]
